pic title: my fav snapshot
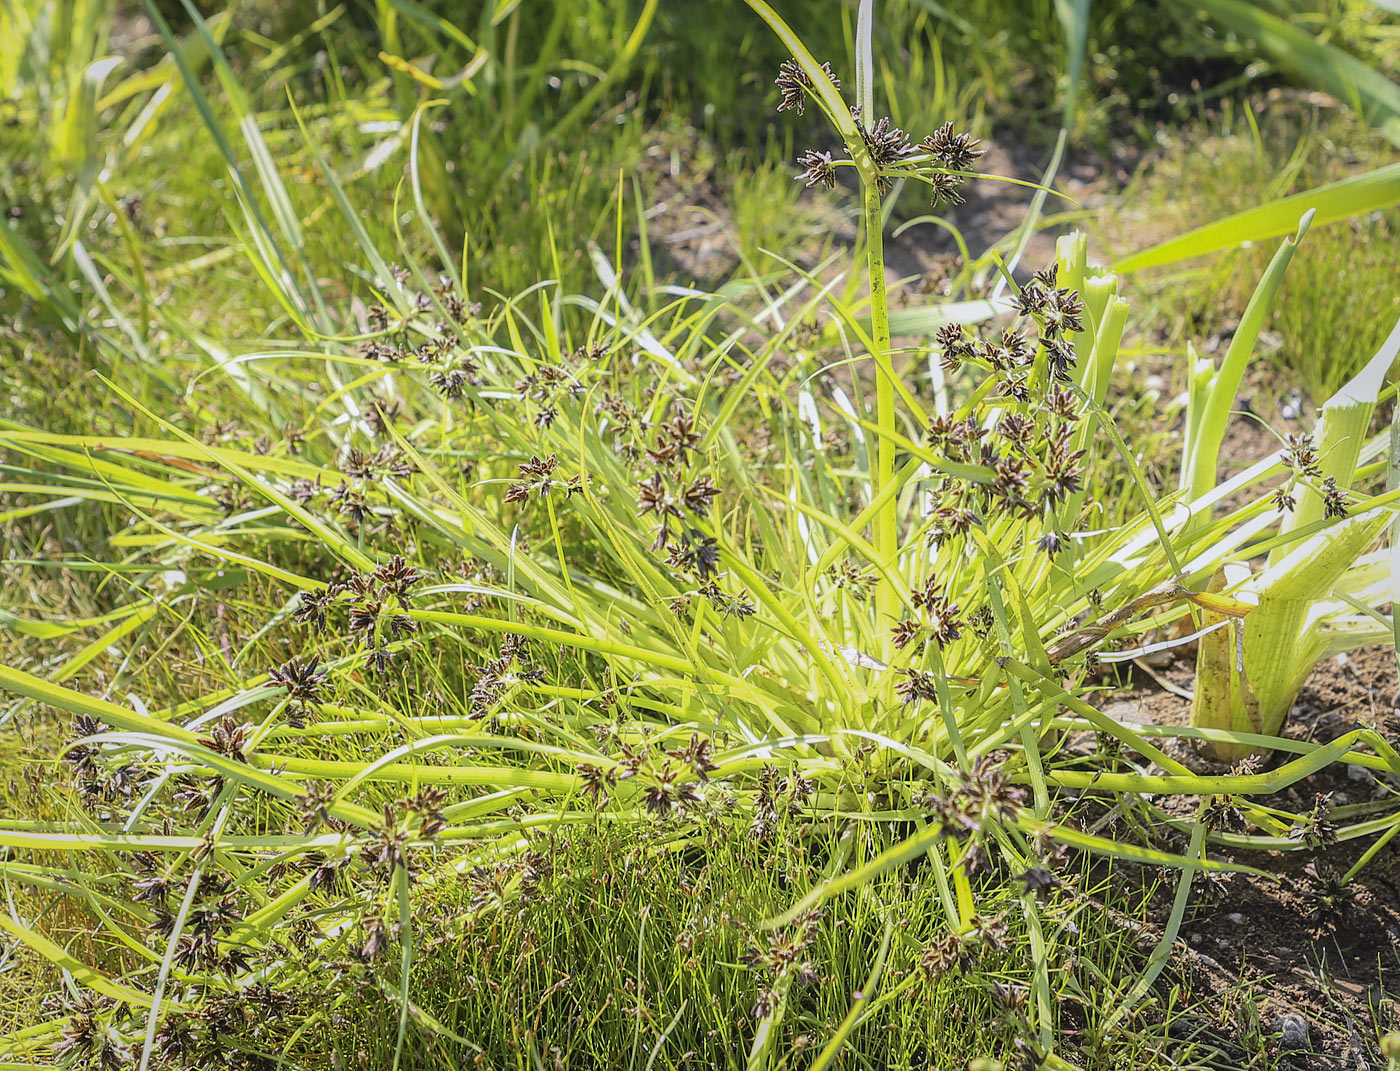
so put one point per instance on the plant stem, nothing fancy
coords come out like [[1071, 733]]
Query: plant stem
[[886, 535]]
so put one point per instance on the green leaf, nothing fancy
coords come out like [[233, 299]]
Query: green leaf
[[1374, 96], [1353, 196]]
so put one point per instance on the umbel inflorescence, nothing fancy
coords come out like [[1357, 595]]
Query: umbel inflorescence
[[944, 160]]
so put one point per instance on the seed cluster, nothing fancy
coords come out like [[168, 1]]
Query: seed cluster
[[362, 482], [374, 604], [794, 84], [1301, 459], [497, 678], [537, 480], [1028, 448], [944, 159], [783, 954], [679, 497], [303, 681], [99, 780]]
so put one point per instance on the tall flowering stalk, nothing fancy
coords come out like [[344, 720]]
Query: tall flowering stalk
[[880, 152]]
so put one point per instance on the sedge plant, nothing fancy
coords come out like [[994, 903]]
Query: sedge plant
[[530, 565]]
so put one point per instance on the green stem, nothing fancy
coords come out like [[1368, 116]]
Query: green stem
[[886, 535]]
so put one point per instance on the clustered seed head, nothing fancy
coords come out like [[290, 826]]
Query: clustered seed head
[[303, 681], [512, 668], [958, 153], [526, 874], [228, 737], [1029, 449], [779, 794], [89, 1038], [728, 604], [698, 754], [852, 579], [1223, 816], [943, 159], [1039, 881], [545, 388], [676, 440], [977, 802], [962, 952], [536, 479], [680, 498], [378, 936], [597, 783], [1330, 899], [888, 148], [397, 576], [918, 685], [794, 84], [817, 169], [374, 601], [203, 943], [1334, 499], [362, 477], [200, 1037], [1317, 829], [99, 776], [313, 809], [940, 621], [668, 793], [625, 423], [694, 552], [1300, 457], [783, 954]]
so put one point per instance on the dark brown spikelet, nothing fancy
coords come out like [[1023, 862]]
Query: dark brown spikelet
[[1039, 881], [945, 954], [699, 497], [944, 188], [955, 151], [397, 576], [1300, 455], [313, 809], [817, 169], [793, 83], [727, 604], [695, 553], [904, 633], [535, 478], [227, 737], [675, 439], [888, 147], [1334, 499], [918, 684], [311, 607], [1317, 829], [302, 680]]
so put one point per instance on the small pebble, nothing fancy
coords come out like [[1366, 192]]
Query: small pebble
[[1292, 1030], [1235, 918], [1360, 773]]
